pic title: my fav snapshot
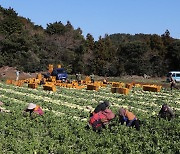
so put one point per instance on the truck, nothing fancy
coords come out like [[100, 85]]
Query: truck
[[60, 74], [175, 76]]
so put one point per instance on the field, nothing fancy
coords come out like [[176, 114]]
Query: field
[[62, 128]]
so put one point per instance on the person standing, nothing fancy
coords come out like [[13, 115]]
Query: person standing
[[172, 83], [17, 75], [92, 78], [78, 78]]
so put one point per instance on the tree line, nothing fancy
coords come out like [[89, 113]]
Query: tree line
[[31, 48]]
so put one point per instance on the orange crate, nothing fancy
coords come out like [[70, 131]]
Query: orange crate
[[129, 86], [152, 88], [49, 87], [113, 89], [92, 87], [8, 81], [32, 85], [124, 91]]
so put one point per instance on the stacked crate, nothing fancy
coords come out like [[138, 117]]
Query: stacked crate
[[124, 91], [49, 86], [118, 87], [92, 87], [129, 85], [33, 85]]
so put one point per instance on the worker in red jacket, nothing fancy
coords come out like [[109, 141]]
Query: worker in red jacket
[[129, 118], [101, 116], [33, 108]]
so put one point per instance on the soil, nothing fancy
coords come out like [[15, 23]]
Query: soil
[[7, 72]]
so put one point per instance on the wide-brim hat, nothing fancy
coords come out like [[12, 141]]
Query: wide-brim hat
[[31, 106]]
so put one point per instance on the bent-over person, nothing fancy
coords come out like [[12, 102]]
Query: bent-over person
[[129, 118], [166, 112], [33, 108]]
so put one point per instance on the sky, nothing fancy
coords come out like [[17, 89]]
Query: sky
[[100, 17]]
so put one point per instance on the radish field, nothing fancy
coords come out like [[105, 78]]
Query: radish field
[[62, 127]]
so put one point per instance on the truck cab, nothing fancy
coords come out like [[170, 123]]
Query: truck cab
[[60, 74], [175, 76]]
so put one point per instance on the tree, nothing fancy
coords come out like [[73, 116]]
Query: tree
[[55, 28], [173, 55], [132, 55]]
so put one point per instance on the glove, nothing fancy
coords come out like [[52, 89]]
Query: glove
[[125, 118]]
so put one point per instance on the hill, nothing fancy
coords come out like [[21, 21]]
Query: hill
[[30, 48]]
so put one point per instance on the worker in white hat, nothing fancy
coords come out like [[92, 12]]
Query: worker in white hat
[[34, 108]]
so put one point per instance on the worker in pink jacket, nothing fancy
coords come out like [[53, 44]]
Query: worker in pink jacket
[[101, 116], [33, 108]]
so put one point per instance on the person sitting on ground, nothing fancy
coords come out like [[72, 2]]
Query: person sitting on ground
[[33, 108], [166, 112], [129, 118], [101, 116]]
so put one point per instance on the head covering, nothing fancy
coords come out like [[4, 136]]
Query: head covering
[[101, 102], [31, 106], [106, 102], [122, 111], [164, 107]]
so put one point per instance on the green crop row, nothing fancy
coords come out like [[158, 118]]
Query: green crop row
[[62, 128]]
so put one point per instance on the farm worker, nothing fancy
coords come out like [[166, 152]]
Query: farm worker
[[105, 81], [42, 82], [166, 112], [17, 75], [129, 118], [92, 78], [33, 108], [100, 119], [78, 77], [101, 116], [2, 109], [172, 82]]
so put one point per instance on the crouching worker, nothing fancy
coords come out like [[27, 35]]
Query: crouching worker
[[129, 118], [33, 108], [166, 112], [100, 119], [103, 105]]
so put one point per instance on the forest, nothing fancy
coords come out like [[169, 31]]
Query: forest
[[30, 48]]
